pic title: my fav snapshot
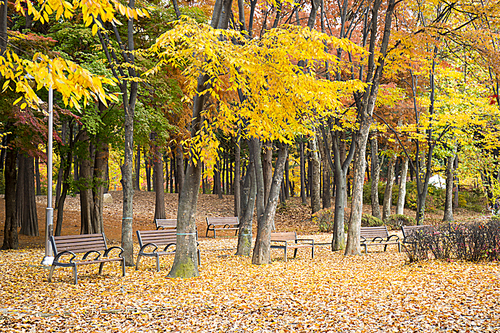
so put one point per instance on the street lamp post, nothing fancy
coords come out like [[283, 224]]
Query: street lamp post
[[49, 222]]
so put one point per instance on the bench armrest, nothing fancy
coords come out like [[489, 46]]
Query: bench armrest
[[113, 248], [148, 245], [60, 254], [305, 240], [98, 255], [168, 245], [380, 239], [396, 237], [363, 239]]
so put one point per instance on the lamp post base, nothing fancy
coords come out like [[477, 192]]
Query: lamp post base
[[47, 261]]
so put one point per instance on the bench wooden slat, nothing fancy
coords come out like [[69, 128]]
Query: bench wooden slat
[[81, 244], [222, 223], [165, 238], [289, 240], [372, 236], [166, 223]]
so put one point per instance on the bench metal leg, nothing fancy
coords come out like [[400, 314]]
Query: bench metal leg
[[312, 252], [285, 253], [199, 257], [75, 275], [101, 265], [51, 272], [157, 262], [123, 266], [295, 253], [137, 262], [399, 247]]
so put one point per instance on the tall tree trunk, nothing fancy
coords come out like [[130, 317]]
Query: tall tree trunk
[[386, 209], [327, 191], [147, 164], [179, 159], [261, 251], [375, 165], [315, 175], [137, 183], [237, 176], [85, 187], [37, 177], [10, 236], [448, 204], [402, 187], [99, 185], [248, 197], [302, 173], [26, 201], [365, 104], [160, 212], [267, 168]]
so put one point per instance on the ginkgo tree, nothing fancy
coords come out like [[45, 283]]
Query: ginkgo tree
[[281, 99]]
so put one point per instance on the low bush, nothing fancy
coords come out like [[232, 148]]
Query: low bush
[[370, 221], [463, 241], [324, 219], [395, 221]]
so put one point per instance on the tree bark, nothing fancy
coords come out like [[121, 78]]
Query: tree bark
[[99, 185], [137, 184], [237, 175], [248, 197], [261, 251], [402, 187], [160, 212], [267, 168], [316, 176], [26, 201], [375, 165], [302, 174], [85, 188], [448, 205], [10, 236], [386, 209]]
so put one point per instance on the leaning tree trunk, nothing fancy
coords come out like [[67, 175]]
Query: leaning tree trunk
[[261, 251], [248, 196], [26, 201], [316, 176], [10, 236], [402, 188], [375, 166], [386, 209], [448, 205]]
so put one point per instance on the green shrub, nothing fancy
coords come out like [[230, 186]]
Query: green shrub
[[370, 221], [395, 221], [324, 219], [471, 200]]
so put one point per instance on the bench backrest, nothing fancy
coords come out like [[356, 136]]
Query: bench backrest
[[158, 237], [372, 232], [408, 230], [229, 220], [78, 243], [166, 223], [283, 236]]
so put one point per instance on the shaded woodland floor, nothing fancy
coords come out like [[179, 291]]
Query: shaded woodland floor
[[375, 292]]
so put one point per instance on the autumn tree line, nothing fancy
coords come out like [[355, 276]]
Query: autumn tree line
[[224, 95]]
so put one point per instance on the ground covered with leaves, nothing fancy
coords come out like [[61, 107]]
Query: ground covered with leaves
[[330, 293]]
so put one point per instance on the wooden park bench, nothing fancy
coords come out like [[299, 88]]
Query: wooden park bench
[[289, 240], [93, 247], [408, 230], [371, 236], [166, 223], [156, 243], [222, 223]]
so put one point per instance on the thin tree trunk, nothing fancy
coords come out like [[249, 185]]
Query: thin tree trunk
[[302, 174], [267, 168], [10, 236], [237, 175], [99, 185], [160, 212], [386, 209], [375, 165], [85, 187], [402, 187], [138, 169], [248, 197], [315, 176], [448, 204]]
